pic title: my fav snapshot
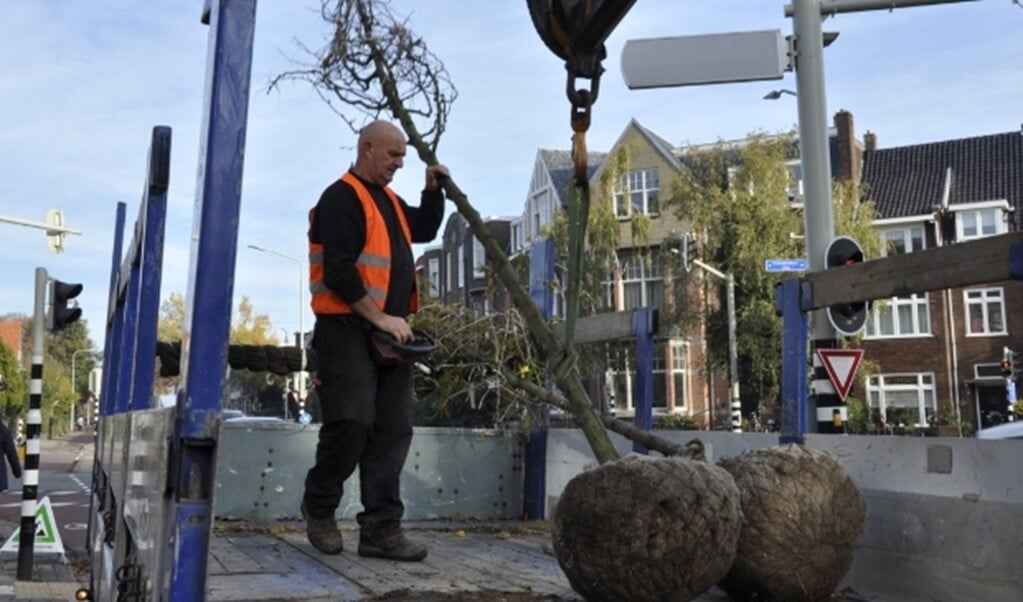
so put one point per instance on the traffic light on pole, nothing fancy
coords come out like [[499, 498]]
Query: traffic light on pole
[[1011, 365], [847, 318], [688, 251], [60, 314]]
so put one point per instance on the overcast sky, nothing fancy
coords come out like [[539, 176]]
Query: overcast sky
[[83, 84]]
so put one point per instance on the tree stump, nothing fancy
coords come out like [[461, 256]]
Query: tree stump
[[644, 528], [803, 517]]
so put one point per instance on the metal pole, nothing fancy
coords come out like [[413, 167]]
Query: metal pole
[[733, 352], [300, 376], [834, 7], [794, 403], [30, 478], [39, 225], [815, 156], [301, 333], [733, 359], [813, 143]]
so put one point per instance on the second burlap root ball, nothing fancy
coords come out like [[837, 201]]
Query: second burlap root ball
[[644, 528], [803, 520]]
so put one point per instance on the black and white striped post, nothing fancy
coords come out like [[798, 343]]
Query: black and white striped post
[[33, 433]]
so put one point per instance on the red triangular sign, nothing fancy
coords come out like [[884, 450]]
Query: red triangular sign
[[841, 366]]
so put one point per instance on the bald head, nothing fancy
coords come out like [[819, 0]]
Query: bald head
[[381, 152]]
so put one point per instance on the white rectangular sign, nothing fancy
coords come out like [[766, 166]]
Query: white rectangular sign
[[705, 59]]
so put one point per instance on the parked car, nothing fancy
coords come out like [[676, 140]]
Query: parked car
[[1008, 430]]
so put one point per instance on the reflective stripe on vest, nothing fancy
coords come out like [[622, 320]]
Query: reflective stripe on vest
[[373, 263]]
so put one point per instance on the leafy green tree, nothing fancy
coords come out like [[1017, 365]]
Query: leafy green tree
[[58, 392], [737, 200], [244, 389], [14, 390]]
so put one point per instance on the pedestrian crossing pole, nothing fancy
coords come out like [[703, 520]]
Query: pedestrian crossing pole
[[33, 432]]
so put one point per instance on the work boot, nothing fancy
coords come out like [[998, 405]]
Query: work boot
[[322, 533], [392, 547]]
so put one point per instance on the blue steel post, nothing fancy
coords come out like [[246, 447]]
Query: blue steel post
[[534, 486], [148, 257], [114, 318], [644, 326], [210, 290], [794, 400], [127, 297]]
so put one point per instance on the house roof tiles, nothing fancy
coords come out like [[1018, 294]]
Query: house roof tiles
[[909, 180]]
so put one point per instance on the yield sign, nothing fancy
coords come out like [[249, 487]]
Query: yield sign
[[841, 366]]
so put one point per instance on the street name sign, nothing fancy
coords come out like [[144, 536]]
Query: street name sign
[[784, 265]]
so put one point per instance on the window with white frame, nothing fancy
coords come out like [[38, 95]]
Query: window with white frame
[[985, 311], [479, 258], [461, 266], [903, 399], [637, 193], [660, 374], [516, 236], [540, 212], [978, 223], [678, 373], [899, 241], [434, 271], [619, 375], [907, 315], [642, 280], [992, 372], [450, 272]]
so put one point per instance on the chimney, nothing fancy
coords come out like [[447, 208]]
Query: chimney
[[850, 152], [869, 142]]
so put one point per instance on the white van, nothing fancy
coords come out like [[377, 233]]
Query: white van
[[1008, 430]]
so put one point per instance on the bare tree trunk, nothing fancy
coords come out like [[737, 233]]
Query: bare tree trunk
[[693, 450]]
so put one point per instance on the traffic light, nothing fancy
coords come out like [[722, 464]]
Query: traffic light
[[688, 251], [847, 318], [60, 314], [1011, 365]]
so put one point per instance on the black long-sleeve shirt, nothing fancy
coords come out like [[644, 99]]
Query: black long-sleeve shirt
[[339, 224]]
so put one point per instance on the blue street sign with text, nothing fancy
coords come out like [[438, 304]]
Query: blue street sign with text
[[784, 265]]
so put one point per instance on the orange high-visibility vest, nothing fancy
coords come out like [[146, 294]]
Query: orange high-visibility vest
[[373, 264]]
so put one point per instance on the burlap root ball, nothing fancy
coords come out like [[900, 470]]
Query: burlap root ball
[[644, 528], [803, 517]]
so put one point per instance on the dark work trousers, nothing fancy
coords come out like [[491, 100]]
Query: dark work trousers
[[367, 422]]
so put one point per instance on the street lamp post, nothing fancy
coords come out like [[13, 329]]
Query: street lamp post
[[300, 376], [733, 354], [74, 401]]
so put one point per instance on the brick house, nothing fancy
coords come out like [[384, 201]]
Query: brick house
[[939, 351], [684, 383], [945, 191]]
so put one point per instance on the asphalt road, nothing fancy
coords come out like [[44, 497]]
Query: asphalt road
[[65, 476]]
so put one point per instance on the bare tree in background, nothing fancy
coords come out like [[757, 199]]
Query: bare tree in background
[[376, 65]]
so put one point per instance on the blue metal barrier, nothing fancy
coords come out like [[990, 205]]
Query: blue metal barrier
[[794, 401], [210, 289], [132, 316]]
